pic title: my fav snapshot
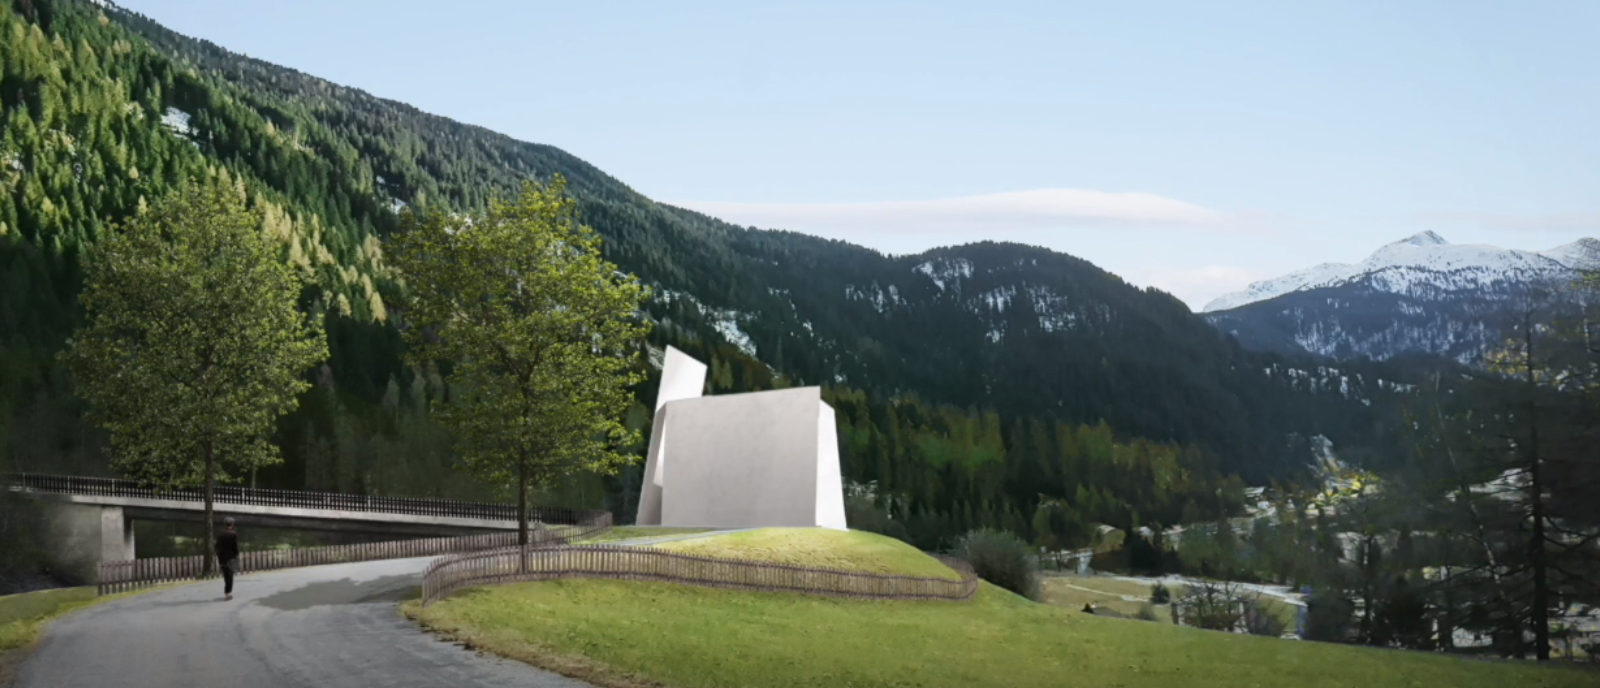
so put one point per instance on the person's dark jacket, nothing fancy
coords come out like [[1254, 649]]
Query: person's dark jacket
[[227, 547]]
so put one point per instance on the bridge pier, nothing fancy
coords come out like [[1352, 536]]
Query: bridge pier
[[116, 534], [83, 535]]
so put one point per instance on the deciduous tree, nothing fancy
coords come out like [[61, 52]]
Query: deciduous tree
[[193, 347], [543, 336]]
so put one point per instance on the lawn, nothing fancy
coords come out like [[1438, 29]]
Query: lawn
[[637, 532], [1072, 593], [622, 633], [819, 547]]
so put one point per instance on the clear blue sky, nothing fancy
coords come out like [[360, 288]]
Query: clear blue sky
[[1200, 144]]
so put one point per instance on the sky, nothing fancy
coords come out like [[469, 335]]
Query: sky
[[1194, 147]]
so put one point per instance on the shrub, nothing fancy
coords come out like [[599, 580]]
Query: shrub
[[1159, 594], [1147, 612], [1002, 559], [1258, 620], [1329, 617], [1209, 605]]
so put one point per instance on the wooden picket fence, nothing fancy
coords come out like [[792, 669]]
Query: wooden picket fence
[[620, 562], [121, 576]]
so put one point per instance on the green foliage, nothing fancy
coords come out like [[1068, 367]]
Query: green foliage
[[541, 334], [1215, 606], [1160, 594], [1329, 617], [1261, 620], [1002, 559], [193, 347]]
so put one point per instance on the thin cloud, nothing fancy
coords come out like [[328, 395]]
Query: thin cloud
[[978, 215]]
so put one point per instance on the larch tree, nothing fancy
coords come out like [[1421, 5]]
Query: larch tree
[[541, 334], [193, 346]]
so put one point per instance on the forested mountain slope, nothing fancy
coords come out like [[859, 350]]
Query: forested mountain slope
[[960, 353]]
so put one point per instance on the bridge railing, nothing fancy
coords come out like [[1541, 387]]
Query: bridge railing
[[115, 487], [619, 562], [122, 576]]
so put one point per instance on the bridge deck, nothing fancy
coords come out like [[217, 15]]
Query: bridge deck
[[293, 509]]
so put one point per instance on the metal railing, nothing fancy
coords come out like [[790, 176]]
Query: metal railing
[[230, 495], [121, 576], [621, 562]]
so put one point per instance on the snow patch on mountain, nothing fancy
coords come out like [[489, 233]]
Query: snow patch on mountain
[[946, 271], [1424, 261], [178, 121], [726, 323]]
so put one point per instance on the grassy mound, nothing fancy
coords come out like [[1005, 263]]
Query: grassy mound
[[822, 548], [620, 633], [619, 533]]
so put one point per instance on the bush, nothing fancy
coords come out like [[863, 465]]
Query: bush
[[1258, 620], [1329, 617], [1002, 559], [1159, 594], [1210, 605], [1147, 612]]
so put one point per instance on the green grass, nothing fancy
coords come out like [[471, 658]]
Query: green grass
[[23, 616], [637, 532], [822, 548], [1072, 593], [626, 633], [621, 633]]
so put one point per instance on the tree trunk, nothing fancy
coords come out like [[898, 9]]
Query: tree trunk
[[207, 555], [522, 504], [1536, 542], [522, 514]]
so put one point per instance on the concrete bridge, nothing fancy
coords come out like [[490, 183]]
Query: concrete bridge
[[92, 518]]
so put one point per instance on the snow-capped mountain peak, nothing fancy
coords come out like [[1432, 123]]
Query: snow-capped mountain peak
[[1583, 254], [1424, 238], [1424, 258]]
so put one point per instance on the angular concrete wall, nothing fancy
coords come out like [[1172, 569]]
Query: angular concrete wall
[[682, 377], [741, 460]]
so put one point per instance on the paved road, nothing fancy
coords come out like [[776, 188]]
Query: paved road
[[326, 626]]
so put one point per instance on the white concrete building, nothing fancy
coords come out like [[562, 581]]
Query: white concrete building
[[739, 460]]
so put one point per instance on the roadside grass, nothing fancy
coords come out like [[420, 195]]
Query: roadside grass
[[619, 533], [620, 633], [820, 547], [23, 616], [628, 634]]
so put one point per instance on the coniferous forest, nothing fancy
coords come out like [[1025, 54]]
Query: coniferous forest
[[982, 385]]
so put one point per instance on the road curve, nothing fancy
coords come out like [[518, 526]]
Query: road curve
[[327, 626]]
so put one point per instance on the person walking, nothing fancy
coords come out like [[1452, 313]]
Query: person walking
[[228, 556]]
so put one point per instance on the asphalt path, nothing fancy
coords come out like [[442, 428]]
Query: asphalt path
[[333, 626]]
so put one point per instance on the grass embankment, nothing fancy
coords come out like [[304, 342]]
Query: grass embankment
[[619, 533], [627, 634], [818, 547], [23, 616]]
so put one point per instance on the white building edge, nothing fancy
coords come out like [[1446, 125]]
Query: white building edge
[[762, 459]]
